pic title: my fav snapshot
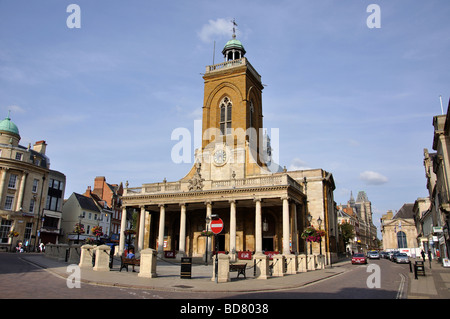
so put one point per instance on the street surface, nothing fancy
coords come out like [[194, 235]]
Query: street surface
[[24, 280]]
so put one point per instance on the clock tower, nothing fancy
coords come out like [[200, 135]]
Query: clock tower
[[232, 124]]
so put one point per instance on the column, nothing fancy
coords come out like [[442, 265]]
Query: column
[[294, 230], [233, 229], [141, 228], [21, 192], [3, 180], [258, 226], [286, 250], [123, 226], [162, 221], [182, 248]]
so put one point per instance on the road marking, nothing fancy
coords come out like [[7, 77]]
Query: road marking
[[401, 287]]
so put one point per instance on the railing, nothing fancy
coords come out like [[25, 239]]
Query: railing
[[176, 187], [232, 64]]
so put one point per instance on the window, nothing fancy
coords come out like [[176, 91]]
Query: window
[[401, 240], [35, 186], [9, 202], [19, 156], [28, 229], [12, 181], [32, 202], [5, 228], [225, 116], [53, 203]]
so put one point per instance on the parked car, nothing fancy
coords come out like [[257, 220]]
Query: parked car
[[394, 255], [373, 255], [359, 259], [383, 254], [402, 258]]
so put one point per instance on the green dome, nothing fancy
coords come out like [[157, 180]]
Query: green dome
[[233, 44], [7, 126]]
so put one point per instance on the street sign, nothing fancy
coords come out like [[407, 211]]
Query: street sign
[[217, 226]]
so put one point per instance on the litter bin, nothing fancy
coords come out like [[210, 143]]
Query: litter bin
[[186, 268]]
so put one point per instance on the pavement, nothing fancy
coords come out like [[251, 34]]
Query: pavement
[[434, 285]]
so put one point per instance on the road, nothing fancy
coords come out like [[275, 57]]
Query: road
[[23, 280]]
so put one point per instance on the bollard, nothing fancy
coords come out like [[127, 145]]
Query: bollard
[[278, 265], [74, 254], [62, 252], [311, 262], [301, 263], [223, 273], [147, 267], [102, 258], [291, 261], [86, 256], [261, 266]]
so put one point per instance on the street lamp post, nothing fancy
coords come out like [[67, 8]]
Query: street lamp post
[[310, 243], [79, 228], [319, 221]]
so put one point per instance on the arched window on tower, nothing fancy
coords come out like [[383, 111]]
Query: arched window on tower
[[225, 116]]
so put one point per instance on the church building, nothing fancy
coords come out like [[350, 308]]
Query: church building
[[263, 208]]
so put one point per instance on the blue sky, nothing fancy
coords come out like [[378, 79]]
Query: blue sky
[[355, 101]]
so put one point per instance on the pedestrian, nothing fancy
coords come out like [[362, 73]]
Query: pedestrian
[[423, 255], [41, 247], [131, 255], [429, 257]]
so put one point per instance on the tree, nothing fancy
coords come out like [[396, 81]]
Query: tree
[[347, 231]]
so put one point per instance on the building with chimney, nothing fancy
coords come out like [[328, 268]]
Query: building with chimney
[[30, 206]]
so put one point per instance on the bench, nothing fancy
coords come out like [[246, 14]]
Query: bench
[[125, 262], [240, 268]]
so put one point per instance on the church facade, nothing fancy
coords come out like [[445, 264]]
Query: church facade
[[264, 208]]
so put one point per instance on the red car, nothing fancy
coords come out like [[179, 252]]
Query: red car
[[359, 259]]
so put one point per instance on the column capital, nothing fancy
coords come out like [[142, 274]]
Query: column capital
[[182, 204], [257, 199], [208, 202], [285, 197], [162, 205], [231, 201]]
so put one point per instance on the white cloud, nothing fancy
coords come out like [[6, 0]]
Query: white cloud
[[14, 109], [298, 165], [216, 29], [373, 178]]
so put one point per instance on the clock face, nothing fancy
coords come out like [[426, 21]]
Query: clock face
[[220, 157]]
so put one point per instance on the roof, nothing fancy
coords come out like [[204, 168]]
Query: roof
[[7, 126], [233, 44], [86, 202], [405, 212]]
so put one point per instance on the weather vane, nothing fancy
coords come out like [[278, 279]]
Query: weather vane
[[234, 29]]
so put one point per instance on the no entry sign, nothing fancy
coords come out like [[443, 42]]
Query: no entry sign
[[217, 226]]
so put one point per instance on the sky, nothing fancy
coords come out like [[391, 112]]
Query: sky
[[351, 89]]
